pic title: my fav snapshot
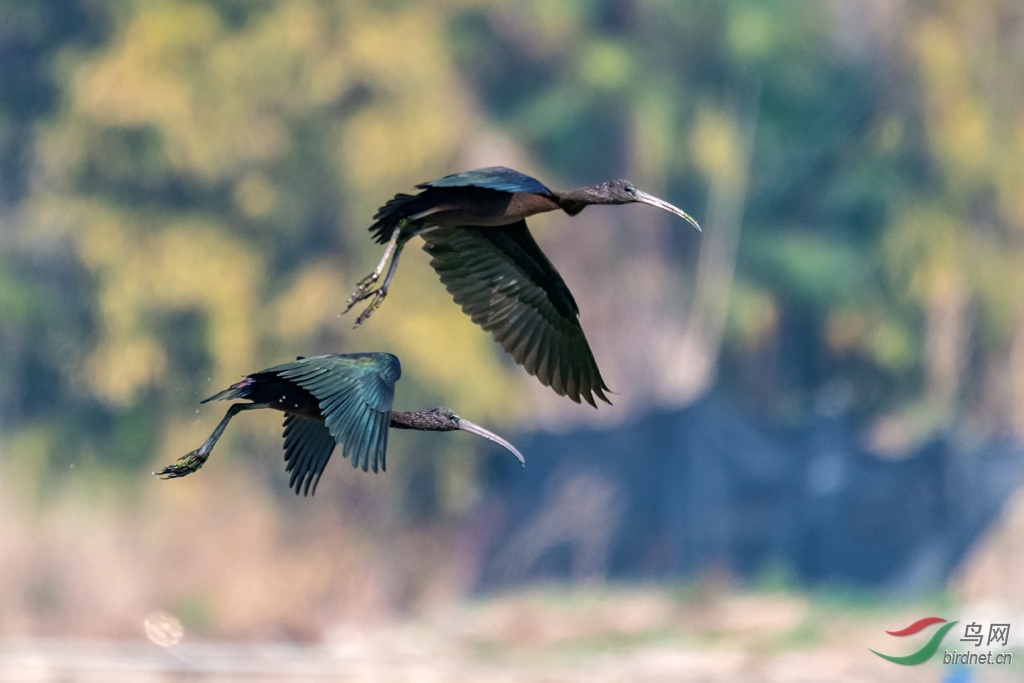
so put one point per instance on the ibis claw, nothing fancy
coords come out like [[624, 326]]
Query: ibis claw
[[187, 464], [378, 299], [360, 293]]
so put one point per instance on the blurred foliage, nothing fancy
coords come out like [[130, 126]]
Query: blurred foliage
[[186, 185]]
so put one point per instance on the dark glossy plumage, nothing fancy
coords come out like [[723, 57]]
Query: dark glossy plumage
[[507, 286], [492, 178], [473, 225], [355, 393], [341, 399]]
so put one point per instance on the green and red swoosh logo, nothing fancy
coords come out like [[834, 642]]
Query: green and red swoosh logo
[[925, 653]]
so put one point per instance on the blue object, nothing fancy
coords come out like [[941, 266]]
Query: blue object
[[958, 674], [492, 178]]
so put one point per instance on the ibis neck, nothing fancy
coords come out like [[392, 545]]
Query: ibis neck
[[433, 420], [574, 201]]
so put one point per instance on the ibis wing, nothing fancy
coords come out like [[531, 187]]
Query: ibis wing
[[492, 178], [355, 394], [308, 445], [412, 207], [506, 284]]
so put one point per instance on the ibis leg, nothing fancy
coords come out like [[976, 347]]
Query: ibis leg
[[382, 291], [360, 291], [191, 462]]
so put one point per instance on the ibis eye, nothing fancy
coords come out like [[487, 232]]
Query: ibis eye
[[630, 189]]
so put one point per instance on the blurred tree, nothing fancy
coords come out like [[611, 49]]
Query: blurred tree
[[960, 248], [201, 173], [882, 200], [210, 173], [185, 187]]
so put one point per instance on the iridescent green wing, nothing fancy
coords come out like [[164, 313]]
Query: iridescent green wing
[[355, 393], [308, 445], [506, 284]]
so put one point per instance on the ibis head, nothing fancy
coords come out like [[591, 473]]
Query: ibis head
[[624, 192], [445, 420]]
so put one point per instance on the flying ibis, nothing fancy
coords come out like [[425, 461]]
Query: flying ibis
[[474, 228], [335, 400]]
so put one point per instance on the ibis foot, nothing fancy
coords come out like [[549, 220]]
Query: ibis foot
[[378, 298], [360, 293], [187, 464]]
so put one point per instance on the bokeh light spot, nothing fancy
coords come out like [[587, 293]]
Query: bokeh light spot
[[163, 629]]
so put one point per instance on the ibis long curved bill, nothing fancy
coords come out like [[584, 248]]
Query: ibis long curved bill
[[468, 426], [645, 198]]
